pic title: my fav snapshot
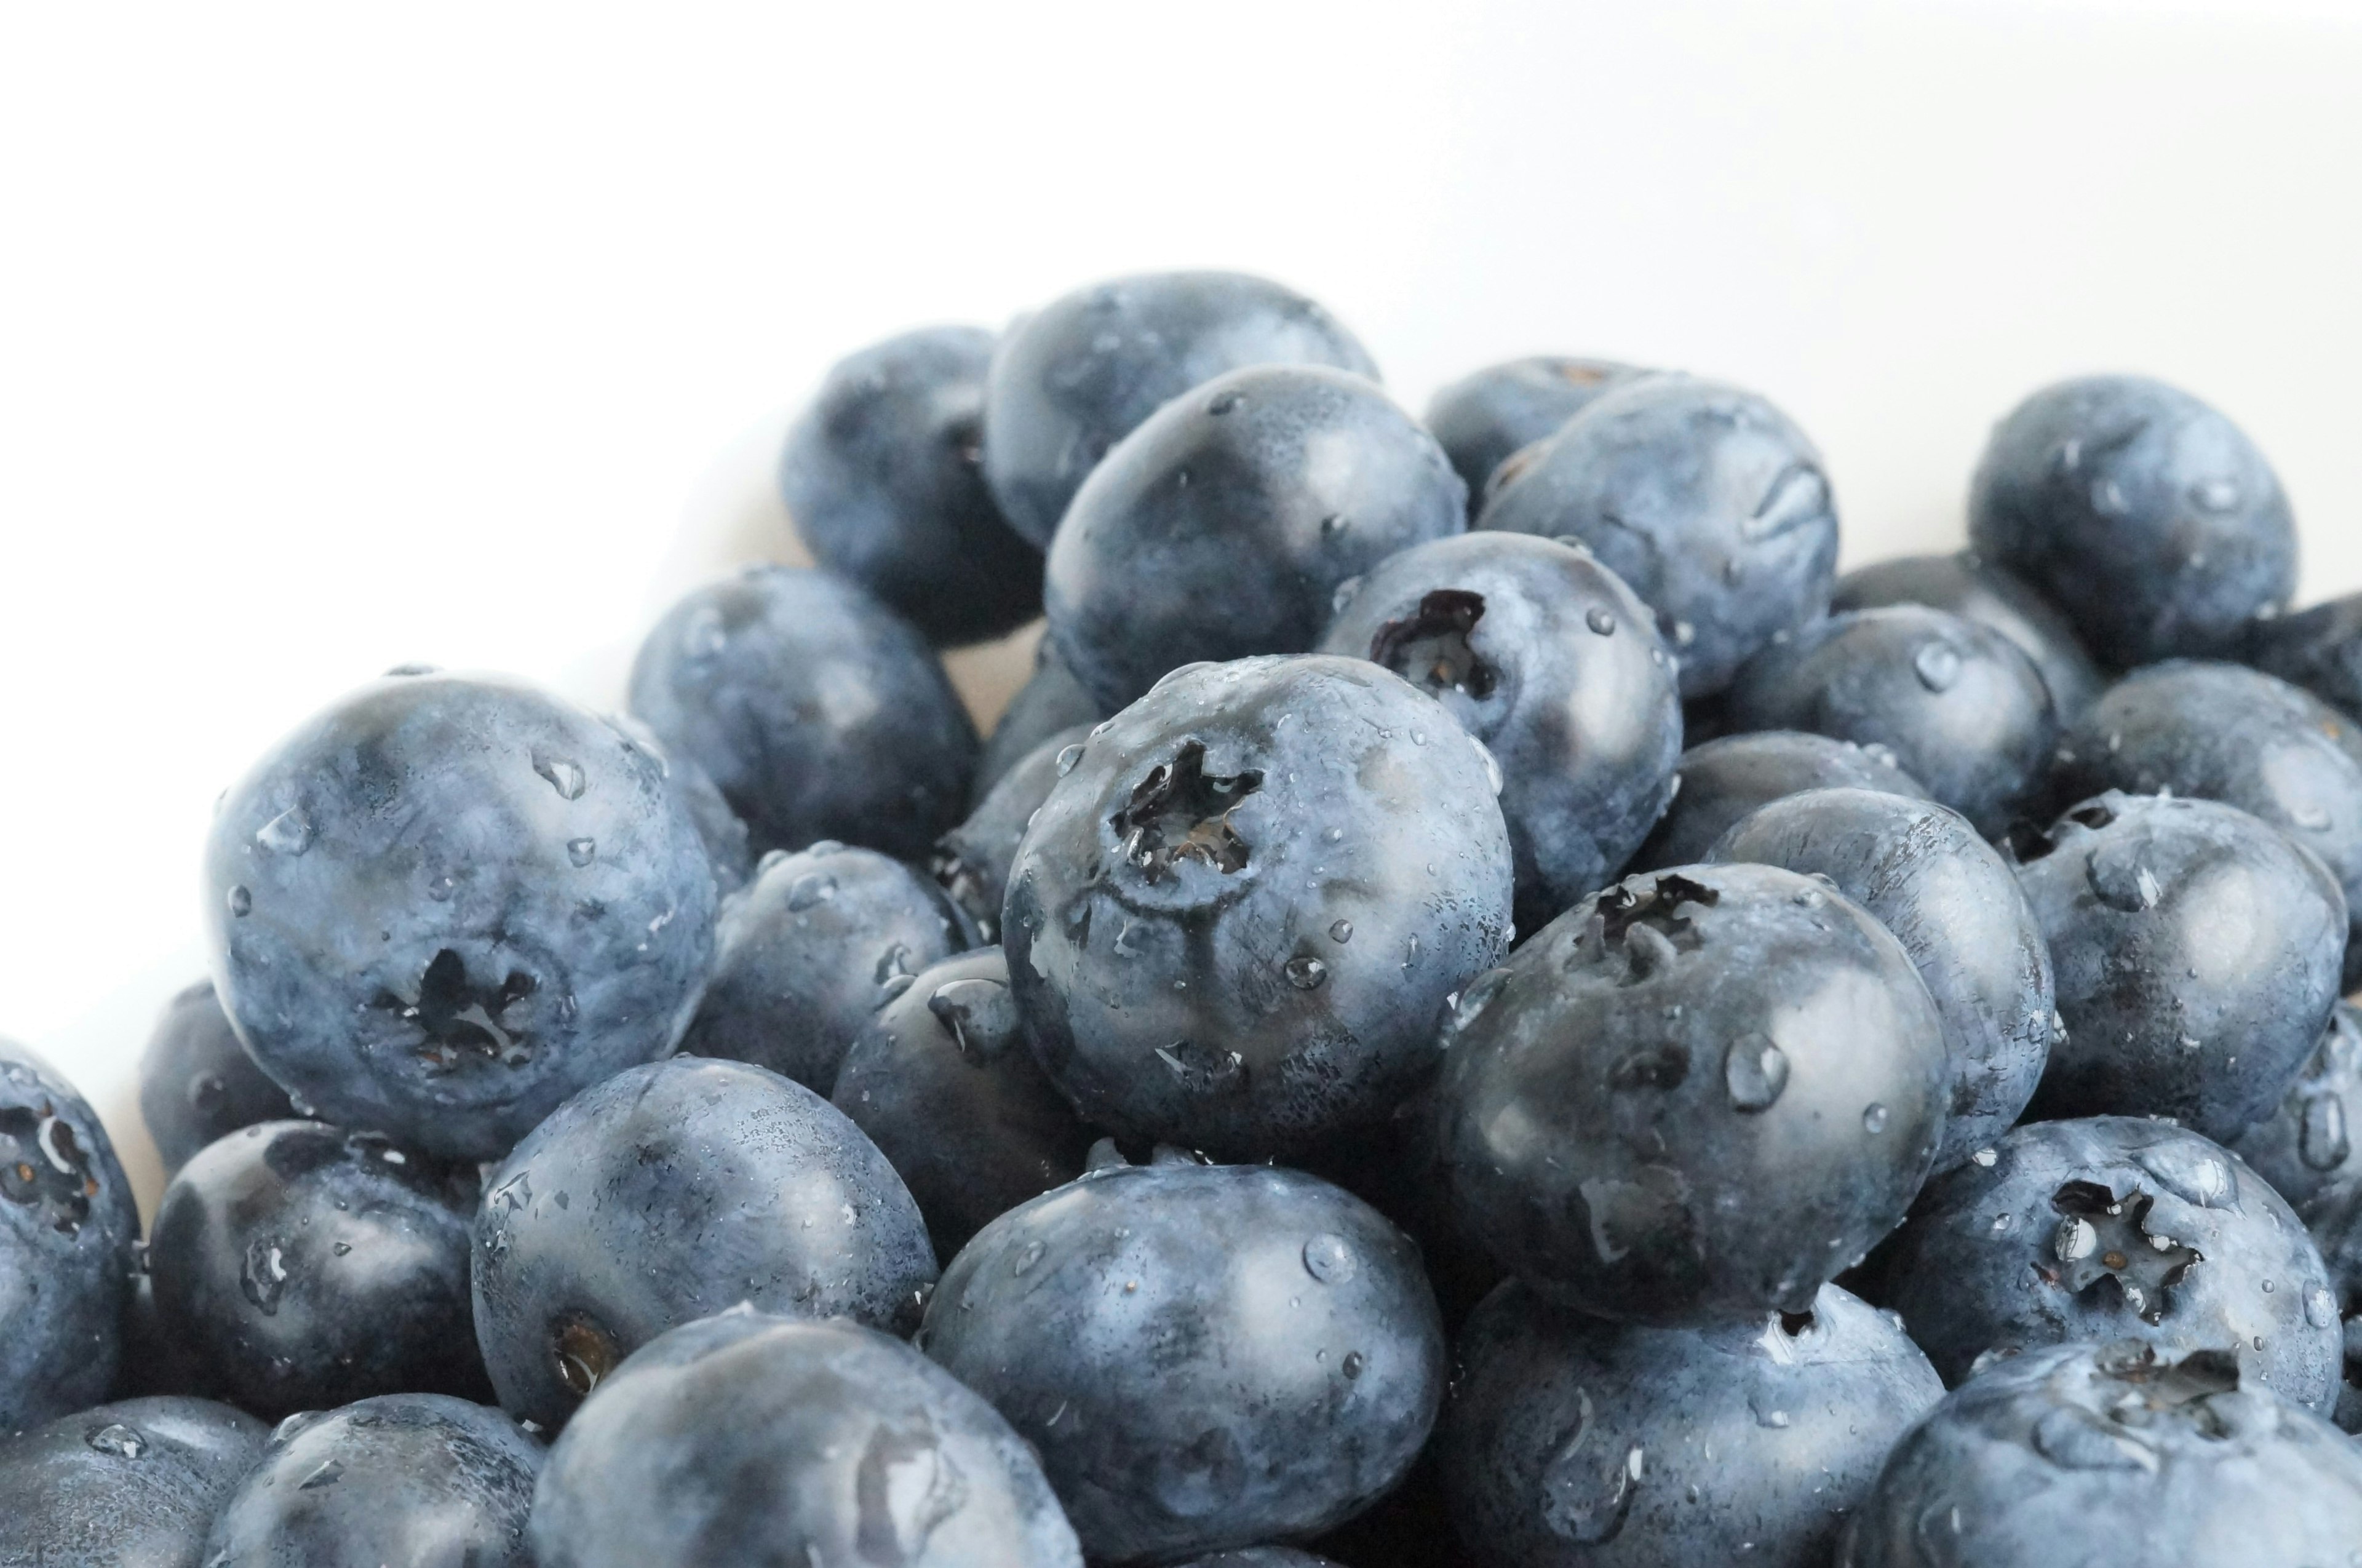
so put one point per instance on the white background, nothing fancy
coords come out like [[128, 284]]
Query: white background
[[336, 336]]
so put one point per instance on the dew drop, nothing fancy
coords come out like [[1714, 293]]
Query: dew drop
[[1027, 1259], [2320, 1307], [1754, 1072], [1068, 757], [118, 1440], [1600, 620], [240, 902], [563, 776], [288, 833], [810, 889], [1873, 1118], [1340, 931], [1329, 1260], [582, 851], [1306, 973], [2322, 1140], [1352, 1365], [1938, 665]]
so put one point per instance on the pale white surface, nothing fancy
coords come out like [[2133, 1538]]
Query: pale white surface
[[334, 337]]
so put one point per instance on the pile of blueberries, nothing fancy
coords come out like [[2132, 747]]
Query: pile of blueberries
[[1333, 1078]]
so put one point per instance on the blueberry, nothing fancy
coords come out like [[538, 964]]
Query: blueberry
[[2197, 951], [718, 827], [1721, 780], [1206, 1356], [1236, 921], [1706, 499], [448, 903], [2109, 1228], [820, 713], [2112, 1453], [156, 1357], [196, 1082], [1544, 656], [1228, 521], [808, 951], [1569, 1439], [1954, 904], [1051, 701], [404, 1478], [941, 1079], [666, 1194], [2307, 1148], [748, 1438], [67, 1231], [2319, 649], [883, 474], [1960, 706], [1489, 414], [972, 861], [1696, 1095], [128, 1485], [2333, 1218], [2144, 511], [1978, 590], [1073, 378]]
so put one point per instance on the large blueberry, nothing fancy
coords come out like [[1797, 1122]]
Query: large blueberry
[[1543, 655], [1227, 522], [1981, 591], [448, 903], [1073, 378], [196, 1082], [1696, 1095], [1706, 499], [820, 713], [2319, 649], [2114, 1227], [1236, 920], [2197, 952], [1051, 700], [668, 1193], [747, 1439], [1954, 903], [1719, 781], [1569, 1439], [1206, 1356], [134, 1484], [1489, 414], [1960, 706], [2307, 1147], [2145, 514], [972, 861], [809, 949]]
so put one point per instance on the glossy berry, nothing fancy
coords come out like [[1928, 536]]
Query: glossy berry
[[134, 1483], [972, 861], [1978, 590], [196, 1082], [1719, 782], [2307, 1147], [2319, 649], [1489, 414]]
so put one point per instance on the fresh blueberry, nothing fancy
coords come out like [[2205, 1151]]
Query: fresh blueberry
[[747, 1439], [1568, 1440], [820, 713], [1960, 706], [1706, 499], [1489, 414], [1954, 903], [1073, 378], [2144, 512], [416, 1478], [718, 827], [2333, 1217], [67, 1232], [448, 903], [2114, 1227], [972, 861], [1236, 923], [1051, 701], [1696, 1095], [1228, 521], [807, 952], [1206, 1356], [666, 1194], [2111, 1454], [130, 1486], [1719, 782], [2306, 1148], [2197, 952], [2319, 649], [1978, 590], [1544, 656], [196, 1082]]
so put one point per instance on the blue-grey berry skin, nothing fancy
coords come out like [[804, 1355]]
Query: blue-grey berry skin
[[1206, 1356], [447, 902], [1234, 924], [2307, 1147], [2197, 952], [2145, 514], [1695, 1096], [666, 1194], [1071, 380], [1489, 414], [2319, 649], [748, 1438], [942, 1081], [1544, 656], [1981, 591], [68, 1227], [134, 1484], [2104, 1454], [1570, 1440], [414, 1478], [1051, 701], [817, 943], [2113, 1227], [820, 713], [1954, 904], [2333, 1217], [303, 1267], [1960, 706], [196, 1082], [1228, 522], [718, 827], [1706, 499], [972, 861], [1720, 780]]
